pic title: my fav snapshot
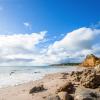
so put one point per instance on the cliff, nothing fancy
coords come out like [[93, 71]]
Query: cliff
[[90, 61]]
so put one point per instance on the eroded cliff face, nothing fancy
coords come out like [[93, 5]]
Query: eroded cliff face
[[90, 61]]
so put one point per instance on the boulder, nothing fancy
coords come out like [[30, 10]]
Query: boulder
[[53, 97], [63, 95], [67, 87], [37, 89], [85, 94], [90, 61]]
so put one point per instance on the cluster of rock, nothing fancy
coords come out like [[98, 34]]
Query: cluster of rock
[[80, 85], [87, 88], [90, 61], [36, 89]]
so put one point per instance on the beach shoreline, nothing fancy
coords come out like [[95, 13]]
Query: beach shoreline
[[19, 75], [51, 85], [21, 91]]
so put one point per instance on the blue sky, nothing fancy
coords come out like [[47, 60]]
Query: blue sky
[[55, 16], [51, 21]]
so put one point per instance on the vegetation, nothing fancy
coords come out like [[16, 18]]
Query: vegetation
[[66, 64]]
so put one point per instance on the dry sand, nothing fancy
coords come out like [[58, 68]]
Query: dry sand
[[21, 92], [52, 83]]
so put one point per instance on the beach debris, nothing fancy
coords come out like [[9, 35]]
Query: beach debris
[[11, 73], [36, 72], [36, 89]]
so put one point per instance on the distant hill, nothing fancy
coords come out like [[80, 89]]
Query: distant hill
[[66, 64]]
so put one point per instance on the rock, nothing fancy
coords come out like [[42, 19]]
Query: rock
[[90, 79], [63, 95], [11, 73], [37, 89], [72, 73], [88, 71], [85, 94], [90, 61], [36, 72], [53, 97], [97, 68], [76, 75], [68, 87]]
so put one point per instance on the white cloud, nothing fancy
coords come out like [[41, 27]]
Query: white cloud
[[21, 46], [78, 39], [22, 49], [74, 45], [27, 25]]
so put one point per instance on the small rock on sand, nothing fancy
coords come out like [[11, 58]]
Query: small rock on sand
[[37, 89]]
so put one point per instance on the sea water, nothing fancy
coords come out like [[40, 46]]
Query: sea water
[[14, 75]]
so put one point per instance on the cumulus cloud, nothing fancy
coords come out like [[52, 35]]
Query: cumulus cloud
[[78, 39], [73, 46], [21, 46], [22, 49]]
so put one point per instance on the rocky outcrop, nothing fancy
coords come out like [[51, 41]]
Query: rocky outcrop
[[97, 68], [79, 85], [90, 79], [90, 61]]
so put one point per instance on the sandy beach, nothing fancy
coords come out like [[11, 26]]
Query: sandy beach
[[50, 82], [54, 84], [21, 92]]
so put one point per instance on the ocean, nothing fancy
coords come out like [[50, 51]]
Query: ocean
[[14, 75]]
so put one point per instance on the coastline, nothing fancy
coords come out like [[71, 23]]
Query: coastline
[[21, 91], [54, 85], [19, 75]]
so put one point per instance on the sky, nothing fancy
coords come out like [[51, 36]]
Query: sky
[[42, 32]]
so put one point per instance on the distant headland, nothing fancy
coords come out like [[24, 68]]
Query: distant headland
[[90, 61], [66, 64]]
